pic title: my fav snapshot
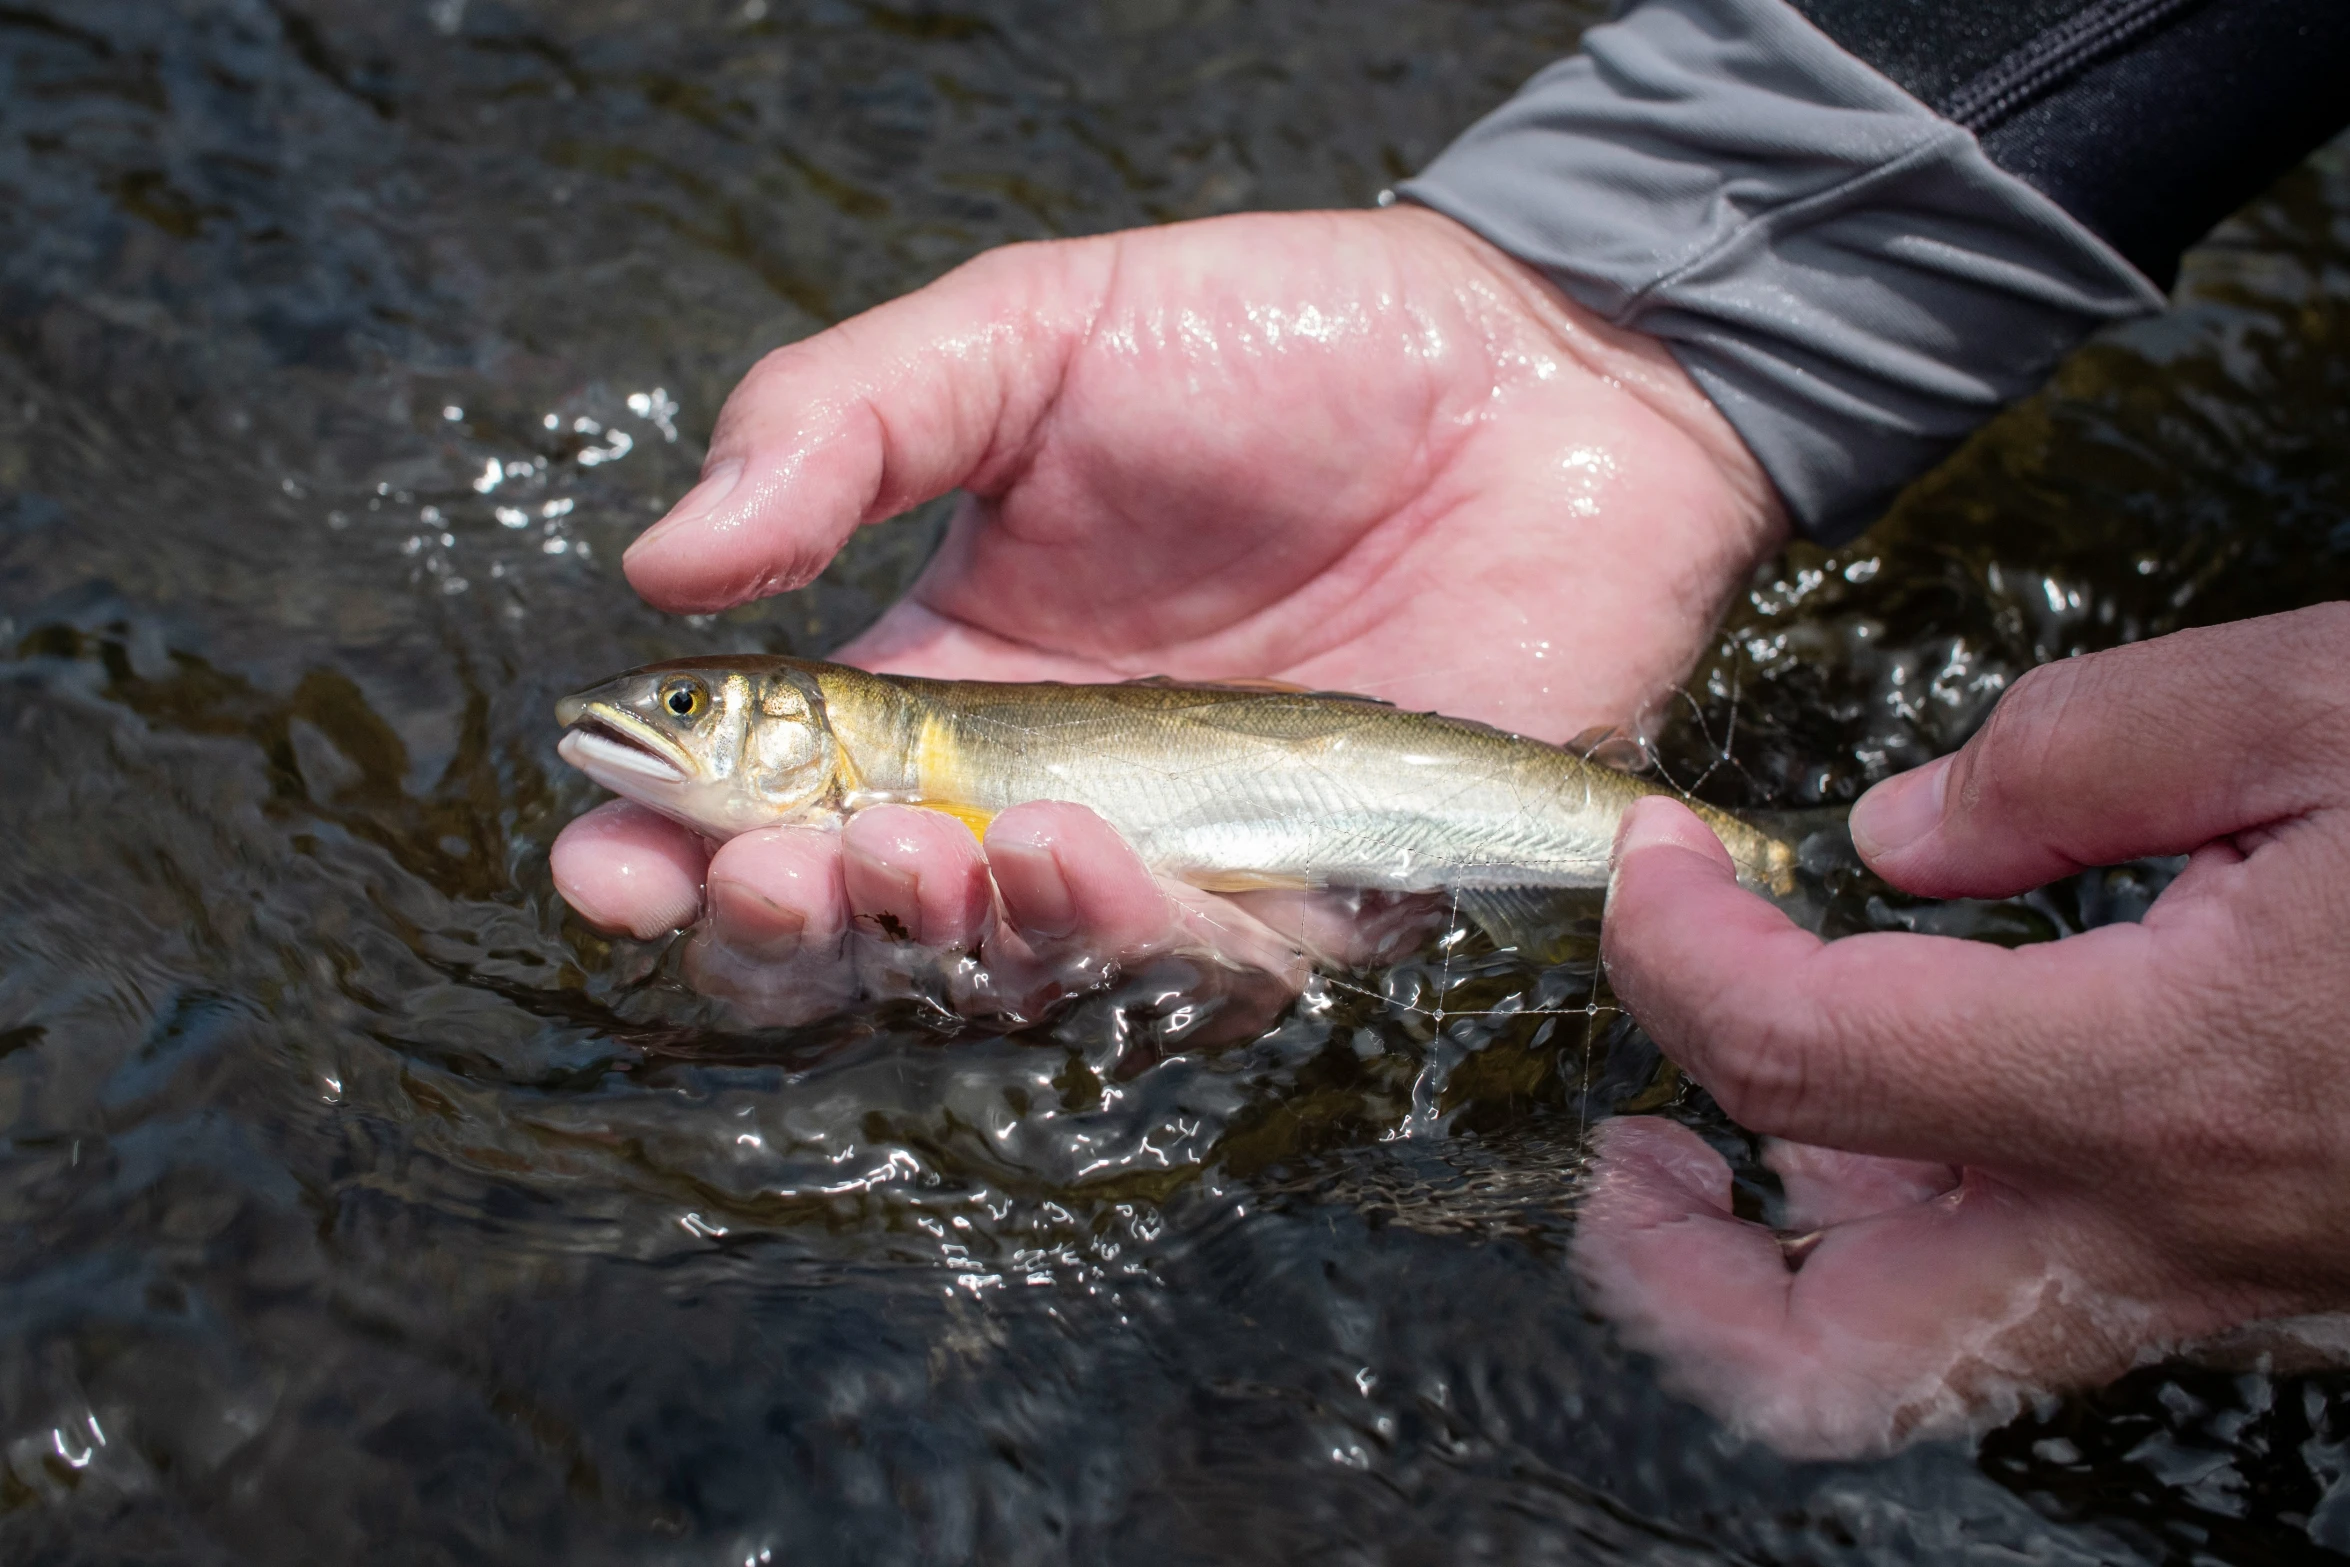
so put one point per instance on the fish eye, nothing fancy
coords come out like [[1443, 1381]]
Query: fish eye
[[685, 698]]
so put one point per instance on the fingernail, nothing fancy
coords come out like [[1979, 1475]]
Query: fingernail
[[697, 503], [1651, 823], [1644, 826], [1901, 810], [1036, 893], [888, 897], [753, 924]]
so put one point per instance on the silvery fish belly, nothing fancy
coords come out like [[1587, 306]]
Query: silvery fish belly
[[1230, 789], [1226, 787]]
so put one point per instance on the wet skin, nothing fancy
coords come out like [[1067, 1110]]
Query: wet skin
[[2058, 1157], [1367, 451], [1362, 451]]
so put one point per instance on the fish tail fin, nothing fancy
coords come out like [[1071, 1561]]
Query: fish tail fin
[[1775, 873], [1780, 837]]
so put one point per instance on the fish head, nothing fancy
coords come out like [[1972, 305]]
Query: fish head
[[723, 746]]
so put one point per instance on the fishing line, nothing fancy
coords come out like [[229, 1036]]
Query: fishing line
[[1452, 937], [1589, 1009], [1591, 1012]]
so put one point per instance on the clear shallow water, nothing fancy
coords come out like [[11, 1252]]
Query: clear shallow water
[[359, 1205]]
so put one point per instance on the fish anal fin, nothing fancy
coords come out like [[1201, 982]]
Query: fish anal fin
[[1537, 921]]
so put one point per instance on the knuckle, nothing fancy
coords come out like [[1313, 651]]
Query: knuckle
[[2050, 726], [1011, 277], [2328, 624], [2301, 682], [761, 387], [1008, 261], [1764, 1081]]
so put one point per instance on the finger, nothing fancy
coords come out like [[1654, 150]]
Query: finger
[[1827, 1186], [911, 638], [621, 867], [2153, 749], [941, 388], [773, 945], [1067, 878], [778, 892], [1925, 1319], [1921, 1047], [1071, 886], [1349, 927], [916, 876]]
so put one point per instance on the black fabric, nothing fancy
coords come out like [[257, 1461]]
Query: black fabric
[[2148, 120], [2048, 61], [2153, 146], [1933, 47]]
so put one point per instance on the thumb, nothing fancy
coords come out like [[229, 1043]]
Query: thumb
[[883, 412], [2156, 748], [1917, 1047]]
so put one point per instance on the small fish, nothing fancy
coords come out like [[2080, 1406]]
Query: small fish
[[1226, 787]]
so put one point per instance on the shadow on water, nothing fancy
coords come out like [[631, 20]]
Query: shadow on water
[[359, 1204]]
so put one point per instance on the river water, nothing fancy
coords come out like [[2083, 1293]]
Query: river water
[[359, 1205]]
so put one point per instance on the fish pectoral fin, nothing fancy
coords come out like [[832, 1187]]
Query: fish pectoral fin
[[970, 816], [1539, 922]]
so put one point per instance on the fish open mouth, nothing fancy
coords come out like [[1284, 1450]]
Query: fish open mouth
[[604, 752]]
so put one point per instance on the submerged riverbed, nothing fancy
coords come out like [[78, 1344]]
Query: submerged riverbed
[[361, 1205]]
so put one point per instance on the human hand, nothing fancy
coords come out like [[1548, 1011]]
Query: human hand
[[1355, 450], [2009, 1170]]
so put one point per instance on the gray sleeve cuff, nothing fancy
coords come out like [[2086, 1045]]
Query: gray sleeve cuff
[[1847, 275]]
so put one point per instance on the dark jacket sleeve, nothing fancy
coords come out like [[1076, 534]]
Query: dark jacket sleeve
[[1864, 226]]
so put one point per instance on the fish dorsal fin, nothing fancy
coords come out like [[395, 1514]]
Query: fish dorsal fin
[[1609, 746], [1254, 683]]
